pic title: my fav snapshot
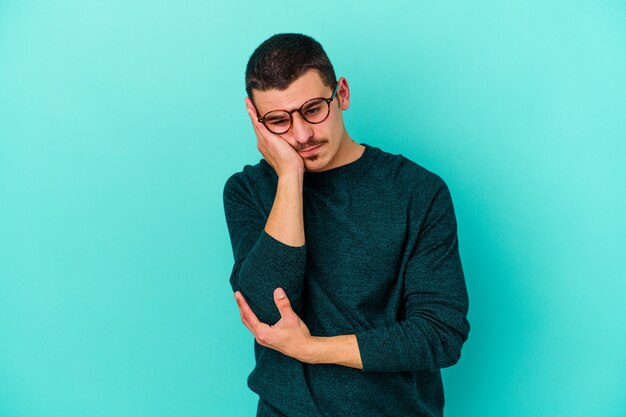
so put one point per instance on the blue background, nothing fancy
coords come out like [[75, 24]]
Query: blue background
[[120, 122]]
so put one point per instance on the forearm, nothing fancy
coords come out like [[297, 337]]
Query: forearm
[[339, 350], [269, 248], [423, 342], [285, 222], [277, 256], [434, 326]]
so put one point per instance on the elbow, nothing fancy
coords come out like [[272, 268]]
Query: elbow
[[263, 308], [234, 277], [262, 305], [443, 354], [443, 342], [451, 356], [452, 342]]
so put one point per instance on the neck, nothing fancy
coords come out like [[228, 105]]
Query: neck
[[349, 151]]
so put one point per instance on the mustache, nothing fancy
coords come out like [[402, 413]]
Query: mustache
[[310, 144]]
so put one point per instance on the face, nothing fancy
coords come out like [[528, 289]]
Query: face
[[322, 146]]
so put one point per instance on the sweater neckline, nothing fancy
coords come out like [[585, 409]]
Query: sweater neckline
[[343, 172]]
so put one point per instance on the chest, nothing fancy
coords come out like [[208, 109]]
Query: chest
[[356, 241]]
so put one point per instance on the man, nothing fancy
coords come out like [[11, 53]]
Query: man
[[347, 270]]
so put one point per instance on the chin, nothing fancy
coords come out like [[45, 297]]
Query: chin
[[316, 164]]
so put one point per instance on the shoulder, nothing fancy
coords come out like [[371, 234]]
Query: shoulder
[[252, 188], [424, 191], [251, 179], [401, 172]]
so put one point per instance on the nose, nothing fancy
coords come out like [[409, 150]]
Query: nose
[[302, 131]]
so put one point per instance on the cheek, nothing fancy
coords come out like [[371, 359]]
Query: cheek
[[289, 140], [330, 131]]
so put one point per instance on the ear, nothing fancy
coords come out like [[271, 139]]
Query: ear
[[343, 93]]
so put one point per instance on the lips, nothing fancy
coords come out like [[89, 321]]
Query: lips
[[310, 151]]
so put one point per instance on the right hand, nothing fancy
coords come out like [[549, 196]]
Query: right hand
[[276, 150]]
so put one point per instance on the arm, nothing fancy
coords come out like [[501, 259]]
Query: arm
[[269, 252], [291, 336], [285, 222], [339, 350], [429, 338], [435, 327]]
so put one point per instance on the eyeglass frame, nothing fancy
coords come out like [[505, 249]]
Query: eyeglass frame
[[299, 110]]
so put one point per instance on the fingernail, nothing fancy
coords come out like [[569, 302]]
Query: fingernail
[[280, 293], [236, 296]]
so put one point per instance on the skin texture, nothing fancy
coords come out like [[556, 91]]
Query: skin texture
[[337, 149], [285, 223], [291, 336]]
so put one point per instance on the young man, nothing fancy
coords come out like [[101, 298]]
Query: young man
[[347, 270]]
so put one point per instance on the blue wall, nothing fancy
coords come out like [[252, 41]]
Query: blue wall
[[120, 122]]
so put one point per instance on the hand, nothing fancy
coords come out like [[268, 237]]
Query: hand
[[289, 335], [276, 150]]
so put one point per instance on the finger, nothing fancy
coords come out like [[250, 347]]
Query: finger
[[252, 111], [244, 321], [263, 136], [247, 313], [259, 128], [258, 332], [254, 117], [282, 303], [248, 103]]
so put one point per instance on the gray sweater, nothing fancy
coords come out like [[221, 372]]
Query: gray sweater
[[381, 261]]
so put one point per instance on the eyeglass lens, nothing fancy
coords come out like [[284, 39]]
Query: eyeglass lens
[[313, 111]]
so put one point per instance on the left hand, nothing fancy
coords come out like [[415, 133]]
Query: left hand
[[289, 335]]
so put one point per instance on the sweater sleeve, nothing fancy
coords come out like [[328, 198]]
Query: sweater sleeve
[[435, 295], [262, 263]]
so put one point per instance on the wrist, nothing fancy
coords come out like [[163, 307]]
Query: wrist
[[291, 174], [339, 350], [314, 351]]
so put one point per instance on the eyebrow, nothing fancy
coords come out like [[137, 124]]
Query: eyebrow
[[291, 110], [275, 117]]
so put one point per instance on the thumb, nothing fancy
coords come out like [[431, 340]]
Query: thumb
[[282, 302]]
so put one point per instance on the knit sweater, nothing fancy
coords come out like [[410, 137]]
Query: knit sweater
[[381, 261]]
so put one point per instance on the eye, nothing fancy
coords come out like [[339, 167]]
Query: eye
[[277, 123], [313, 110]]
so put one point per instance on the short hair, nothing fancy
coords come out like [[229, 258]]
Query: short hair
[[282, 59]]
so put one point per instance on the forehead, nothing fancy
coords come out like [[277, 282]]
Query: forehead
[[308, 86]]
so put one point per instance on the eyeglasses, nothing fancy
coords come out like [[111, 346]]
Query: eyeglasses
[[313, 111]]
